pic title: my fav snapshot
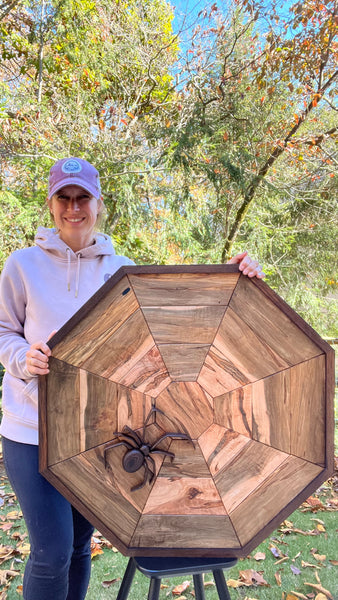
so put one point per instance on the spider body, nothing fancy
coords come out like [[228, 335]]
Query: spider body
[[139, 451]]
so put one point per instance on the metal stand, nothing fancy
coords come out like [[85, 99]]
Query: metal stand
[[156, 568]]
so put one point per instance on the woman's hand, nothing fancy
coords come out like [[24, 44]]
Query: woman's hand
[[37, 357], [247, 265]]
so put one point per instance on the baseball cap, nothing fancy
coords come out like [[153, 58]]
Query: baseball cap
[[74, 171]]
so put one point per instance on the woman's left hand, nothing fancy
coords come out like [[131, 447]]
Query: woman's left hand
[[247, 265]]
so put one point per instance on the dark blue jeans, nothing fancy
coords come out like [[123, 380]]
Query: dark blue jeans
[[58, 567]]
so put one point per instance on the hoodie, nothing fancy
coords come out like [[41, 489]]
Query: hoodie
[[41, 287]]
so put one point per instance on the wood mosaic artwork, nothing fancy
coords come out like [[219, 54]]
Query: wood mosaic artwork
[[220, 390]]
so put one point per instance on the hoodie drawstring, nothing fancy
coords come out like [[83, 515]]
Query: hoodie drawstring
[[77, 274], [77, 280], [68, 268]]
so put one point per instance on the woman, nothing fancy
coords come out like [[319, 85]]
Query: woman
[[41, 288]]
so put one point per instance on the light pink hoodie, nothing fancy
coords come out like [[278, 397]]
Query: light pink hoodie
[[40, 289]]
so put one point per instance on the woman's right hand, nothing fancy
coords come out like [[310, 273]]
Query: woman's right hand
[[37, 357]]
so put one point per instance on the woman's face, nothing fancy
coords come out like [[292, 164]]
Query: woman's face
[[75, 213]]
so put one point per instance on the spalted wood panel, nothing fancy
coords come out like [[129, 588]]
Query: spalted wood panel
[[133, 408], [187, 407], [220, 447], [121, 352], [63, 411], [98, 410], [184, 361], [85, 476], [177, 324], [272, 496], [184, 496], [205, 531], [184, 289], [237, 343], [308, 410], [271, 411], [188, 462], [248, 469], [99, 325], [234, 410], [148, 375], [218, 374], [271, 325]]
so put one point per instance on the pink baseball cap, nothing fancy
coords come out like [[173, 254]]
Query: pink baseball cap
[[74, 171]]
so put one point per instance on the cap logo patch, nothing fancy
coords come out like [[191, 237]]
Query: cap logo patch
[[71, 166]]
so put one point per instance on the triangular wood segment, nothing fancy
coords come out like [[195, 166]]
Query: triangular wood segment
[[187, 412]]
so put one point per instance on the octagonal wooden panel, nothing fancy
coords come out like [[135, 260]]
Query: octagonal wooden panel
[[200, 351]]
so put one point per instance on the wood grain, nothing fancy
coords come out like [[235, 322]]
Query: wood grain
[[184, 361], [184, 289], [188, 462], [123, 350], [234, 410], [218, 375], [307, 381], [187, 407], [148, 375], [98, 325], [272, 411], [184, 496], [176, 531], [268, 499], [271, 325], [220, 447], [177, 324], [248, 469], [86, 477]]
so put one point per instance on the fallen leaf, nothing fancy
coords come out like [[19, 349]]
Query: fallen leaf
[[259, 556], [107, 584], [295, 570], [234, 583], [299, 595], [292, 597], [278, 578], [209, 584], [275, 551], [319, 588], [320, 596], [306, 564], [182, 587], [252, 577], [319, 557]]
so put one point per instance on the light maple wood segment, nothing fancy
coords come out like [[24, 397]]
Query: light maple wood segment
[[86, 477], [180, 531], [271, 324], [308, 410], [63, 411], [218, 375], [188, 462], [272, 496], [220, 447], [234, 410], [121, 351], [177, 324], [104, 319], [186, 407], [184, 361], [194, 289], [148, 375], [271, 411], [248, 469], [244, 351], [184, 496]]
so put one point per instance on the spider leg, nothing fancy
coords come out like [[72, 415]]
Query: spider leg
[[178, 436], [152, 473], [152, 411], [129, 432], [114, 445], [165, 452]]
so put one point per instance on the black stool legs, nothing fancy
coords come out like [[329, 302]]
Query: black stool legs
[[173, 568]]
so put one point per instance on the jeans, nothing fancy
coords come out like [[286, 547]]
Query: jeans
[[58, 567]]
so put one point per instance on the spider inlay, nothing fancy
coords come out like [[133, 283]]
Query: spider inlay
[[139, 451]]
